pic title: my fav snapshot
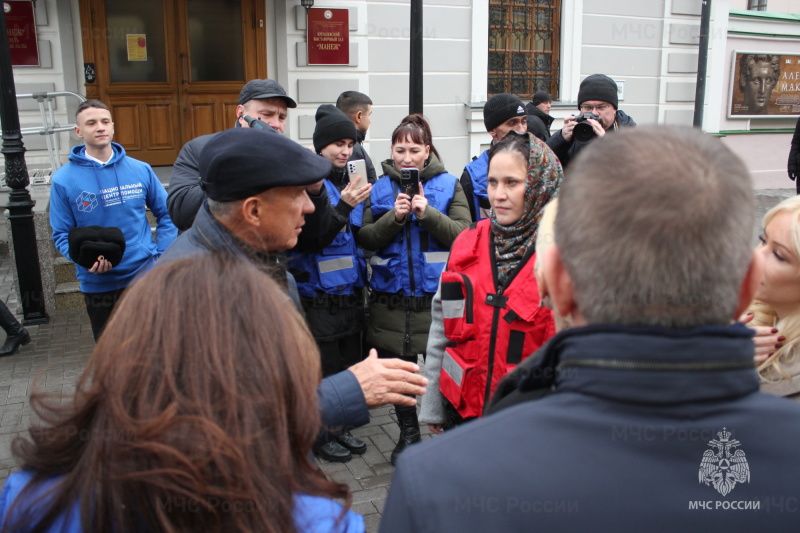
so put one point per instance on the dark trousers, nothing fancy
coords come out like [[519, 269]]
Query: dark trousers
[[99, 306], [386, 354], [340, 354], [8, 321], [453, 418]]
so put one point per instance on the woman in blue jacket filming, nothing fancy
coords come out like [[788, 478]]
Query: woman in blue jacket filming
[[416, 210]]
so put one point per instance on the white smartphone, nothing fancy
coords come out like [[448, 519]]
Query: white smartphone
[[357, 169]]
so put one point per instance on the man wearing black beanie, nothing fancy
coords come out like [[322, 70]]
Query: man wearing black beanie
[[539, 118], [501, 114], [598, 95]]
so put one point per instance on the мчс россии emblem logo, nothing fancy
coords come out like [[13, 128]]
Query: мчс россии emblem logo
[[723, 466]]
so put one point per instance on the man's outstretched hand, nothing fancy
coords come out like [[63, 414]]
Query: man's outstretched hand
[[386, 381]]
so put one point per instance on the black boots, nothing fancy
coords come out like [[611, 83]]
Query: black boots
[[16, 334], [356, 446], [409, 429], [341, 448], [333, 451]]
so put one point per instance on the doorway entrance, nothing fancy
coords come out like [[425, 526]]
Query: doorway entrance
[[171, 70]]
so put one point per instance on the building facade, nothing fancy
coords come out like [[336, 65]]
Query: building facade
[[171, 69]]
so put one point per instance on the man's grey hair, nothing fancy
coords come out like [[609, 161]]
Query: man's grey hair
[[654, 227], [224, 210]]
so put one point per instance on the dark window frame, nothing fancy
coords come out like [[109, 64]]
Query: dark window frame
[[524, 47]]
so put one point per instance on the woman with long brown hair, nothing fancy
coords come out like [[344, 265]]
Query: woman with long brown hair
[[201, 420]]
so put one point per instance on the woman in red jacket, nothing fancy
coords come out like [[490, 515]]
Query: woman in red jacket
[[487, 315]]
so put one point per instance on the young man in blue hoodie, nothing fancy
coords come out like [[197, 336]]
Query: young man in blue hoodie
[[101, 186]]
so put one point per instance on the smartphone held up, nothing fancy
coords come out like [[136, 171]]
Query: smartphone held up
[[409, 181], [357, 173]]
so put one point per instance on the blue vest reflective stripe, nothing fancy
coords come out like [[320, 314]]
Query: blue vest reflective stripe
[[478, 171], [340, 267], [390, 264]]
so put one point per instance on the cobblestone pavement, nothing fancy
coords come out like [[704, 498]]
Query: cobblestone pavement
[[60, 349]]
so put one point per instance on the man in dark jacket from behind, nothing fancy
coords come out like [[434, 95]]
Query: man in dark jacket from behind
[[256, 183], [655, 421], [597, 94], [539, 119]]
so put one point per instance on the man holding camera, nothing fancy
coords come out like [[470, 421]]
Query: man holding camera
[[597, 102]]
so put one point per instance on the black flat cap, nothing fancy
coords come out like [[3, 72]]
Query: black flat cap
[[258, 89], [87, 244], [243, 162]]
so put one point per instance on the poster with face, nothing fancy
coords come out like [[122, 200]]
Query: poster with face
[[764, 85]]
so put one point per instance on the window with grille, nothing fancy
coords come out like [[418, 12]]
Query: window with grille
[[524, 37], [757, 5]]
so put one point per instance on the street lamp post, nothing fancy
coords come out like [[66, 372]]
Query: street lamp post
[[415, 70], [20, 205], [702, 65]]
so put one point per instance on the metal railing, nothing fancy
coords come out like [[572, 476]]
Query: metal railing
[[50, 127]]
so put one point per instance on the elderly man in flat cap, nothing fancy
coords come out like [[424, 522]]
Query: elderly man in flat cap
[[257, 200], [263, 104]]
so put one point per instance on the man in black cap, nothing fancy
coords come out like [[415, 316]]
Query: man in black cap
[[256, 184], [598, 95], [262, 104], [539, 118], [501, 114]]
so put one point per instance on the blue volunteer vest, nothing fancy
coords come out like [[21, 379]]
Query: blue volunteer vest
[[414, 260], [478, 170], [339, 268]]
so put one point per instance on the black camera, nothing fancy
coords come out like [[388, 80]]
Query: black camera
[[583, 130]]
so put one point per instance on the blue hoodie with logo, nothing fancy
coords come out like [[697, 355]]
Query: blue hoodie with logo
[[87, 193]]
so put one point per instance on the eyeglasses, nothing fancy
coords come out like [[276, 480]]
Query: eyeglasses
[[599, 107]]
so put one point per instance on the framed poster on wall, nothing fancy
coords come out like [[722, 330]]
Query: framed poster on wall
[[764, 85]]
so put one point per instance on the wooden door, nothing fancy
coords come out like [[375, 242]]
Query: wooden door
[[171, 70]]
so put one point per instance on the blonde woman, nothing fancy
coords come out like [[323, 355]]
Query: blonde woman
[[775, 313]]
